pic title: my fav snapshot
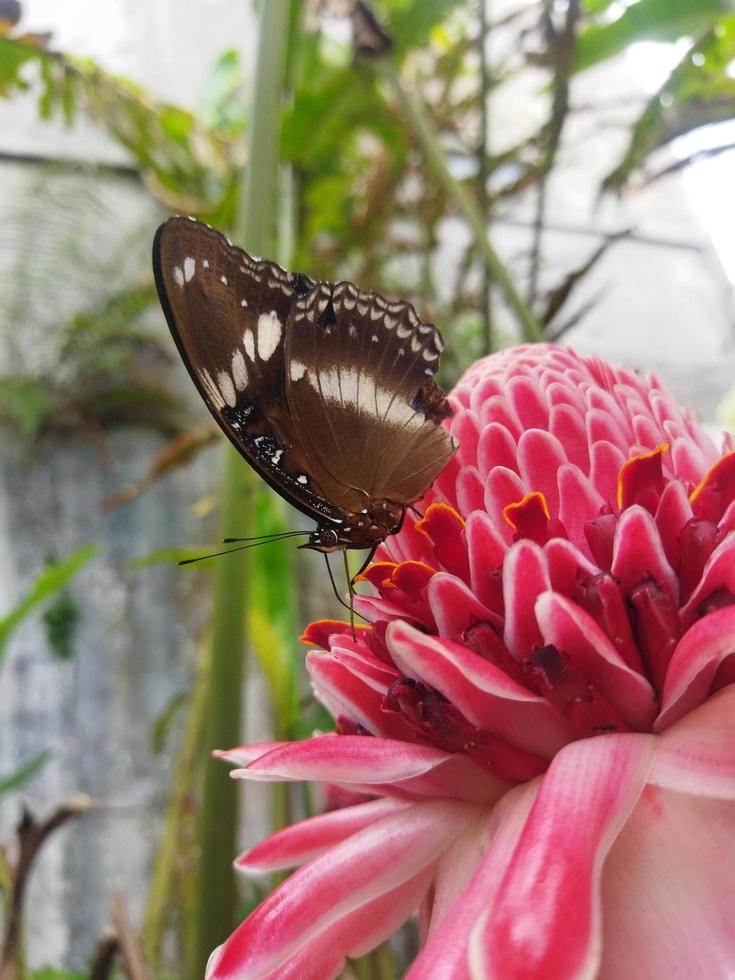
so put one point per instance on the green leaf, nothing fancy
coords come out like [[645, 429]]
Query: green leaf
[[61, 620], [165, 720], [51, 973], [48, 583], [410, 22], [25, 402], [646, 20], [698, 92], [26, 772]]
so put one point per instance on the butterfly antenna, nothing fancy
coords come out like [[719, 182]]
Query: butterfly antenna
[[218, 554], [273, 536]]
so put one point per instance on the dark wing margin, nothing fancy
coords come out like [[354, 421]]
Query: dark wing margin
[[229, 315]]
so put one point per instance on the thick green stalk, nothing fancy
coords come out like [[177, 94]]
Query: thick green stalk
[[254, 229], [417, 118]]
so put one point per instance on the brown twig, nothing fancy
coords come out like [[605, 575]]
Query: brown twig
[[31, 836]]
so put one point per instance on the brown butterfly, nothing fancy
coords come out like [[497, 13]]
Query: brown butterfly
[[327, 391]]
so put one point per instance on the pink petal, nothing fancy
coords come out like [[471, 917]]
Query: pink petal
[[571, 630], [579, 502], [546, 917], [496, 447], [503, 487], [304, 840], [455, 606], [486, 549], [484, 694], [344, 759], [470, 491], [668, 890], [360, 762], [639, 554], [697, 754], [605, 463], [694, 664], [524, 394], [567, 424], [338, 886], [540, 455], [445, 954], [719, 572], [525, 577]]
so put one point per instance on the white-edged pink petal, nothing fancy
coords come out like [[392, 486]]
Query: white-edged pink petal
[[445, 955], [361, 762], [694, 663], [339, 887], [525, 577], [303, 841], [547, 914]]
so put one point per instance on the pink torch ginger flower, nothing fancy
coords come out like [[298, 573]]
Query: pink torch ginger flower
[[541, 709]]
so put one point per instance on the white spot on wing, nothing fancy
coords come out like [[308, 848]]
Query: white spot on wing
[[212, 390], [190, 265], [269, 334], [296, 370], [302, 479], [178, 275], [239, 370], [223, 280], [227, 388], [249, 342], [243, 302], [205, 263]]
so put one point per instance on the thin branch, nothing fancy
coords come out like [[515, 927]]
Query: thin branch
[[483, 150], [416, 116], [561, 48]]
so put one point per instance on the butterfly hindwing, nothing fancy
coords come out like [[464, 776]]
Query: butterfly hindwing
[[360, 385]]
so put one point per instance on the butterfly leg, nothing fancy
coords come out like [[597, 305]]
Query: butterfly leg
[[337, 596], [351, 588]]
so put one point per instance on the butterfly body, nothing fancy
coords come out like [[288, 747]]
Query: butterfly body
[[326, 390]]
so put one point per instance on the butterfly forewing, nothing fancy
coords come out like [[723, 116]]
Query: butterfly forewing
[[228, 314], [327, 391]]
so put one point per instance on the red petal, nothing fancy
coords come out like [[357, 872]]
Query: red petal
[[444, 527]]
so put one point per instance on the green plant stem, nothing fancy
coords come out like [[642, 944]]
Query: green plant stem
[[254, 228], [417, 118], [173, 858]]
